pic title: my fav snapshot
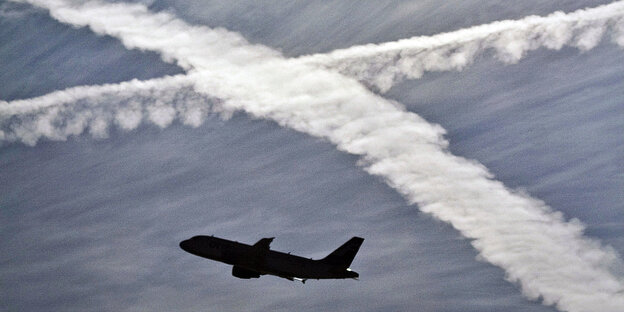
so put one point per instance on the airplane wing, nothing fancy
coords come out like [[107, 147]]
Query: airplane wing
[[264, 243]]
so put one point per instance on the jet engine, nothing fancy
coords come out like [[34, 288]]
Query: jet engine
[[244, 273]]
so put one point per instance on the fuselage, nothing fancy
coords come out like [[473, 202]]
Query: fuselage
[[263, 260]]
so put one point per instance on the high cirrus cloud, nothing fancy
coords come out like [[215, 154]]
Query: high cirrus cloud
[[546, 255]]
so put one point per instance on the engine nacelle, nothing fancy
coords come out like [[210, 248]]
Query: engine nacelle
[[244, 273]]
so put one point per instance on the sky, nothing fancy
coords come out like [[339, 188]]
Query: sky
[[482, 161]]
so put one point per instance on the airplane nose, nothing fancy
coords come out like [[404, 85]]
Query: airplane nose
[[185, 245]]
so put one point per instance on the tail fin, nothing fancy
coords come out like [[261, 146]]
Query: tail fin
[[343, 256]]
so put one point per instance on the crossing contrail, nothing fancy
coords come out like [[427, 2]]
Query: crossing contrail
[[548, 256], [72, 111], [382, 65]]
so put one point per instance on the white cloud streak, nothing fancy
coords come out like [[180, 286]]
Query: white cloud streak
[[546, 255], [382, 65], [64, 113]]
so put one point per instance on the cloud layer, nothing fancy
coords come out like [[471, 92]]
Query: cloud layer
[[546, 255]]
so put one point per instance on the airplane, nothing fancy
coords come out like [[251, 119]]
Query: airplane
[[252, 261]]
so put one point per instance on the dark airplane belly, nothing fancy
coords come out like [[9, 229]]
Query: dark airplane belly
[[293, 266]]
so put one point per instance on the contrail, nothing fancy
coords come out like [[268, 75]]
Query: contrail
[[382, 65], [64, 113], [74, 94], [546, 255]]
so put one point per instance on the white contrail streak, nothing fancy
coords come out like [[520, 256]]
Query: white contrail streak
[[60, 114], [128, 88], [546, 255], [382, 65]]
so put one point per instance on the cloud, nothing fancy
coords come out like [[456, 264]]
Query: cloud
[[382, 65], [546, 255]]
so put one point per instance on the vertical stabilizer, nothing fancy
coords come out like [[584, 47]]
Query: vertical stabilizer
[[343, 256]]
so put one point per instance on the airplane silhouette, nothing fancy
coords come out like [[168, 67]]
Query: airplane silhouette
[[252, 261]]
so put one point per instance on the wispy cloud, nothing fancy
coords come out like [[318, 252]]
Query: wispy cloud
[[546, 255]]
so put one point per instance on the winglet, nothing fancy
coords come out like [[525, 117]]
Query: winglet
[[264, 243]]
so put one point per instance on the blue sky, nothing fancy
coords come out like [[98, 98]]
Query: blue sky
[[93, 223]]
